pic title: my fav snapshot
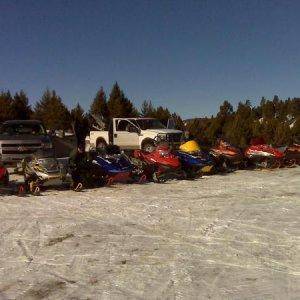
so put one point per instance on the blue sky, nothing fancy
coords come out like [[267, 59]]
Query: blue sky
[[186, 55]]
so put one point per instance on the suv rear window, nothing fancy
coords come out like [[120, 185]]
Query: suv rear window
[[22, 129]]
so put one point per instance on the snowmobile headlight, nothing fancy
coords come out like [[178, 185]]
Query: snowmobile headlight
[[163, 153], [196, 153]]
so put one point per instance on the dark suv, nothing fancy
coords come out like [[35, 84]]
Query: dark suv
[[21, 138]]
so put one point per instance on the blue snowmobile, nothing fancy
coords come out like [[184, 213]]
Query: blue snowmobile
[[117, 166], [194, 161]]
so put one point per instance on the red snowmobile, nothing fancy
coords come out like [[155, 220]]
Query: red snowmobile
[[226, 156], [159, 165], [261, 155]]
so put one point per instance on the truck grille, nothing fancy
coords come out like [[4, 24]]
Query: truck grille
[[174, 137], [20, 148], [18, 151], [21, 145]]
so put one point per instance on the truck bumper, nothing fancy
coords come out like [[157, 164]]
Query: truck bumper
[[13, 159]]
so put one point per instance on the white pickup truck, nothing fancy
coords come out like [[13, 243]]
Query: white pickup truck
[[133, 133]]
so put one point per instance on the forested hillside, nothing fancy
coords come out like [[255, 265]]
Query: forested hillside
[[277, 120]]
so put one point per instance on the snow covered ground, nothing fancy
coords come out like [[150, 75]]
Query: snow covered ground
[[235, 236]]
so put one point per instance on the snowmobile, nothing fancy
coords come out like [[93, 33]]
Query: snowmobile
[[227, 157], [261, 155], [43, 170], [193, 160], [117, 166], [160, 164]]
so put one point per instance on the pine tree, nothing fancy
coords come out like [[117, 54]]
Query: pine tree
[[282, 134], [80, 123], [77, 113], [293, 107], [179, 124], [119, 106], [52, 111], [147, 109], [225, 110], [220, 124], [99, 105], [241, 130], [256, 129], [5, 106], [268, 110], [269, 127], [162, 114], [20, 107], [198, 129], [295, 129]]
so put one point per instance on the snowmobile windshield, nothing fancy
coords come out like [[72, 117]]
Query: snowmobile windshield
[[22, 129], [223, 143], [145, 124], [50, 164], [40, 154]]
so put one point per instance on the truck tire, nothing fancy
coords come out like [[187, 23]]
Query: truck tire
[[148, 146], [101, 144]]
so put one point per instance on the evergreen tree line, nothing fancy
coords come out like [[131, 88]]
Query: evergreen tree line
[[51, 110], [278, 121]]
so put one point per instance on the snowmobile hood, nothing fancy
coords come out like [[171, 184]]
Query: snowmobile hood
[[293, 148], [229, 150], [160, 156], [192, 160], [190, 147], [264, 150], [114, 164]]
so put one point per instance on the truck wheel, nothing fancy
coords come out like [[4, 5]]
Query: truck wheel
[[101, 145], [148, 146]]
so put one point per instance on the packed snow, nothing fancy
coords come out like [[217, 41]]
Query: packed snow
[[224, 236]]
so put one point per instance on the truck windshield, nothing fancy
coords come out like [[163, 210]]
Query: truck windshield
[[22, 129], [150, 124]]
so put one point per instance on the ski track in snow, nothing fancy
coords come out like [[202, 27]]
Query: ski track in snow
[[226, 236]]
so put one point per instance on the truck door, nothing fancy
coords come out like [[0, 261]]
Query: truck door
[[126, 134]]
